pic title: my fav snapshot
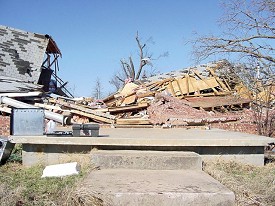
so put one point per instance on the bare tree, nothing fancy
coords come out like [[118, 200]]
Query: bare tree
[[128, 69], [98, 89], [248, 31], [248, 38]]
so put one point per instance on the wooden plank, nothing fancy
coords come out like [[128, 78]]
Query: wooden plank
[[110, 100], [198, 75], [129, 100], [128, 108], [227, 84], [147, 94], [102, 110], [128, 89], [208, 94], [134, 126], [176, 87], [133, 121], [171, 89], [194, 85], [49, 107], [94, 117], [5, 109], [187, 83], [211, 81], [181, 93], [83, 109], [218, 79], [182, 85]]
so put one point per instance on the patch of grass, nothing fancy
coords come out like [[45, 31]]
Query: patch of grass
[[16, 154], [24, 186], [252, 185]]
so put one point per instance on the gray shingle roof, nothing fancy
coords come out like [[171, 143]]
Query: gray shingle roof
[[10, 84], [21, 53]]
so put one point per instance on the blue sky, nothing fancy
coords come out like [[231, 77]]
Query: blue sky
[[94, 35]]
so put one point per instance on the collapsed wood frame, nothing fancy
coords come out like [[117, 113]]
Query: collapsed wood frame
[[198, 89]]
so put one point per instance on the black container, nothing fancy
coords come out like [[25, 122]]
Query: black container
[[6, 148], [90, 130]]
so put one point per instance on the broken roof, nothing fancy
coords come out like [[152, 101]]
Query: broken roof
[[182, 72], [22, 53], [21, 57], [9, 84]]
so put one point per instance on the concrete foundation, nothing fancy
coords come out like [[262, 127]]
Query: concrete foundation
[[209, 144]]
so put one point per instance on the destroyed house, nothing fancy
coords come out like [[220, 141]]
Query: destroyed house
[[28, 61]]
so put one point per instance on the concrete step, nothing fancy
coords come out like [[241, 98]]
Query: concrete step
[[156, 188], [151, 160]]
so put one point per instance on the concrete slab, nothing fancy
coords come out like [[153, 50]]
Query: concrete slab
[[157, 188], [210, 144], [152, 160], [154, 137]]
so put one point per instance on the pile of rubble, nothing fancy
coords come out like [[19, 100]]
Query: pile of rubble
[[203, 95], [180, 98]]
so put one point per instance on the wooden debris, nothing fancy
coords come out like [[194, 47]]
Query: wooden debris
[[82, 109], [5, 109], [135, 121], [200, 90], [128, 108]]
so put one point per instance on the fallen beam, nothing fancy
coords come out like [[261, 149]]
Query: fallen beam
[[49, 115], [133, 121], [128, 108]]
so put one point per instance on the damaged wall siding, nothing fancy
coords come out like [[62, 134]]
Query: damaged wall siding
[[21, 54], [4, 125]]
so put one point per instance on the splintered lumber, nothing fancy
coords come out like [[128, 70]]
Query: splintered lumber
[[147, 94], [218, 79], [198, 75], [128, 89], [176, 88], [49, 107], [129, 100], [5, 109], [96, 115], [187, 84], [92, 116], [128, 108], [134, 126], [216, 102], [110, 100], [171, 89], [133, 121], [156, 85], [205, 95]]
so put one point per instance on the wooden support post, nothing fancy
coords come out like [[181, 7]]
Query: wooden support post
[[218, 79], [172, 89], [179, 87], [187, 83], [198, 75]]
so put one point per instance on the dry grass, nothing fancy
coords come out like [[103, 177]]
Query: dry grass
[[22, 186], [252, 185], [84, 197]]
